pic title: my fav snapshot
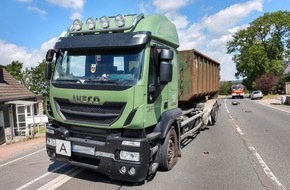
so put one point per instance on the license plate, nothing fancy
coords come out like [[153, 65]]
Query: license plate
[[63, 147], [83, 149]]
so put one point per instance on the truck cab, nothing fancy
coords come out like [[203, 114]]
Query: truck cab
[[122, 98], [113, 80]]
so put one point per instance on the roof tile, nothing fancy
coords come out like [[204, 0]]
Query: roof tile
[[11, 89]]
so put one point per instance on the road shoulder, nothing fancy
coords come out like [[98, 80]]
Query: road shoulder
[[14, 150]]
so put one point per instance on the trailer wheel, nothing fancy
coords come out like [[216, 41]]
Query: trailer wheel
[[169, 151]]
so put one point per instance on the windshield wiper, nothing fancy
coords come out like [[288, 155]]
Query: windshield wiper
[[68, 80], [117, 82]]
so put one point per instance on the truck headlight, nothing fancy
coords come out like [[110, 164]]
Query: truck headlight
[[130, 156], [105, 22], [90, 23], [50, 141], [120, 20], [77, 24]]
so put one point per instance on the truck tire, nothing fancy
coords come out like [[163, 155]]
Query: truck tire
[[214, 114], [214, 117], [169, 151]]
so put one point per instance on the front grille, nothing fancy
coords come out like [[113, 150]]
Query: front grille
[[105, 114], [94, 134]]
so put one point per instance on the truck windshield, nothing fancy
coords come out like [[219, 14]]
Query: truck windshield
[[98, 68]]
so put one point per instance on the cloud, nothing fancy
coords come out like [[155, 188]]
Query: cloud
[[180, 21], [170, 5], [11, 52], [215, 24], [75, 5], [37, 10], [76, 15]]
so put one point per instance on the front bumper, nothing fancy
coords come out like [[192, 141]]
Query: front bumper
[[104, 156]]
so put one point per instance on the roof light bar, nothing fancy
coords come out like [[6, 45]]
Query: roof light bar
[[77, 25], [90, 23], [105, 22], [120, 20]]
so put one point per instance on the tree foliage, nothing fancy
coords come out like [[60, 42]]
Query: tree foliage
[[262, 47], [225, 87], [37, 82], [33, 78], [15, 70], [267, 82]]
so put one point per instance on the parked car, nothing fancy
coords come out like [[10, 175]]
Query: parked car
[[2, 135], [256, 94]]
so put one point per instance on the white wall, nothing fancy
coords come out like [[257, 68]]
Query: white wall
[[287, 87]]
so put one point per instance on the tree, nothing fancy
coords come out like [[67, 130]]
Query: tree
[[37, 82], [267, 82], [15, 69], [262, 47], [33, 78], [225, 87]]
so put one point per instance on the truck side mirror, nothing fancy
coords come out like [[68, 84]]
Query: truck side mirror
[[48, 70], [165, 69], [49, 57]]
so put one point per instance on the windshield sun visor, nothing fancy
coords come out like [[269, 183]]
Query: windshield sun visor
[[120, 40]]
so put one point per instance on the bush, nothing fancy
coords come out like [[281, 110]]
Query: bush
[[267, 82], [225, 87]]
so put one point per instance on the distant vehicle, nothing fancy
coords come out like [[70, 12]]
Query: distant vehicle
[[238, 91], [2, 135], [256, 94]]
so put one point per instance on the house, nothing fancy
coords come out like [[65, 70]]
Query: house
[[17, 104]]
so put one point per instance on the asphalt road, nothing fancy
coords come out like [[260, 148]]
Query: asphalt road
[[248, 148]]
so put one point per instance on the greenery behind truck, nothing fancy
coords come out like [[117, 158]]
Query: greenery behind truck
[[122, 98]]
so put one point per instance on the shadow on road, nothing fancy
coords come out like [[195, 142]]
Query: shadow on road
[[89, 175]]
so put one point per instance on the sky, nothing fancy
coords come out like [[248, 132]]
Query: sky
[[28, 28]]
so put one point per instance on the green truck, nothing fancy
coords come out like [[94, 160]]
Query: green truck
[[122, 98]]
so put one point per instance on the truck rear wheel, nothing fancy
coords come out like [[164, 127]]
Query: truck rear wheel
[[169, 151], [214, 115]]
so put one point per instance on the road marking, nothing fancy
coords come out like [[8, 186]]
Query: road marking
[[265, 167], [22, 157], [270, 175], [239, 130], [62, 179], [280, 109], [40, 177]]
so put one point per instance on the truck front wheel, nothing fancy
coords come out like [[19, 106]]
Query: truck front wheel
[[169, 151]]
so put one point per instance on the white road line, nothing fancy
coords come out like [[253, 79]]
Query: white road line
[[239, 130], [266, 169], [280, 109], [22, 157], [40, 177], [263, 164], [226, 106], [60, 180]]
